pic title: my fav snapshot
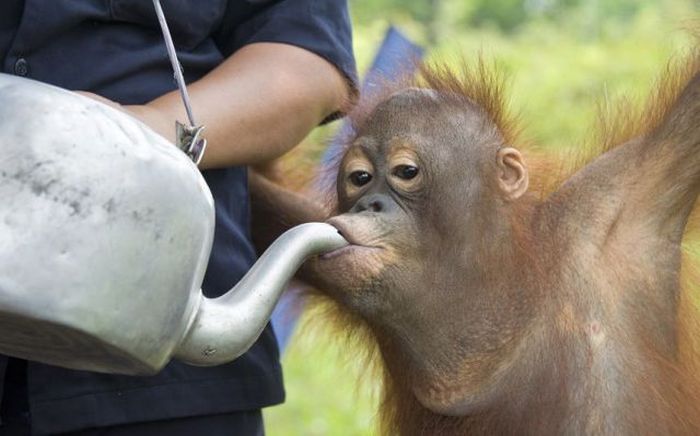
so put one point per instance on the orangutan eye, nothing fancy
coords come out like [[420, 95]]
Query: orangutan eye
[[406, 172], [360, 178]]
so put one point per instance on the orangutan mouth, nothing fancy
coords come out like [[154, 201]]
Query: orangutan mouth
[[354, 247]]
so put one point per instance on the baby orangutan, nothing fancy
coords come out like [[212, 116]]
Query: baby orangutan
[[499, 307]]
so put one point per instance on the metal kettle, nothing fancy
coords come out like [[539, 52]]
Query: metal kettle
[[105, 233]]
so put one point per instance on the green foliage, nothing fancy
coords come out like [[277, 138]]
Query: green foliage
[[562, 59], [506, 15], [328, 392], [419, 10]]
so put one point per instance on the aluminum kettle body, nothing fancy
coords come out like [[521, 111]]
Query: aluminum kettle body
[[105, 233]]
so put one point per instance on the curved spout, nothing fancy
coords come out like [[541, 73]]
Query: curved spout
[[225, 327]]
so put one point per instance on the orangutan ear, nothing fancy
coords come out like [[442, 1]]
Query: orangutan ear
[[512, 173]]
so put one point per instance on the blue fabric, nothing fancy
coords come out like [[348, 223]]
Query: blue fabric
[[114, 48]]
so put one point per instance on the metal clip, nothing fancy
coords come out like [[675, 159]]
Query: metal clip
[[189, 140]]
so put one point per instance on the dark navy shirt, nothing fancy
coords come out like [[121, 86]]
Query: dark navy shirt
[[114, 48]]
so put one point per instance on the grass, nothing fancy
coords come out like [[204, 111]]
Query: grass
[[558, 73], [324, 396]]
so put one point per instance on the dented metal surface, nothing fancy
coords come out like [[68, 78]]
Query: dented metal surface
[[105, 232]]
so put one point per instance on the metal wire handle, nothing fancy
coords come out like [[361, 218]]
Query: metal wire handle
[[189, 138]]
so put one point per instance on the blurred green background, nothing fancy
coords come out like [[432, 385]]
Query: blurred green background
[[562, 58]]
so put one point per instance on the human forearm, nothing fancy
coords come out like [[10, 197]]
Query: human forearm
[[256, 105]]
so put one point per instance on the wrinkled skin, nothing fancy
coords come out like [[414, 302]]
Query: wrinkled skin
[[497, 312]]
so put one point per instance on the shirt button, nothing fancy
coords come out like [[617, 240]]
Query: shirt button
[[21, 67]]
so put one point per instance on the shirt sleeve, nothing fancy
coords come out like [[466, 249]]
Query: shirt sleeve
[[320, 26]]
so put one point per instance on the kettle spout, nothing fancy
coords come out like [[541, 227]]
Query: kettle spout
[[225, 327]]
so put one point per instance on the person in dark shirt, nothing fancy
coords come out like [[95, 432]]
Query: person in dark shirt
[[261, 74]]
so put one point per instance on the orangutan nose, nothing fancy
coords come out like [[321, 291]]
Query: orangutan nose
[[372, 203]]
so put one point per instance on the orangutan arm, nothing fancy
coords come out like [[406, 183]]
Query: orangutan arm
[[669, 163], [276, 209], [646, 187]]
